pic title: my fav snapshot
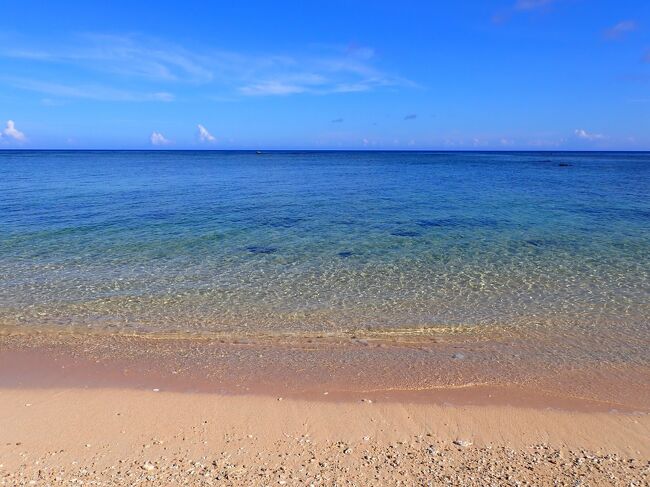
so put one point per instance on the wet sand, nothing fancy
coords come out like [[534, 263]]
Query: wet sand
[[128, 410], [462, 371]]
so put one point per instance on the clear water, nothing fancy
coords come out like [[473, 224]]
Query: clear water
[[324, 242]]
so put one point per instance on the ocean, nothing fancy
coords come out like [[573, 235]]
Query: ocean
[[303, 243]]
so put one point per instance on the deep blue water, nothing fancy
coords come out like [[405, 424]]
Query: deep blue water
[[323, 241]]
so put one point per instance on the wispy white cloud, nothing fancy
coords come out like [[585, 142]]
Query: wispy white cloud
[[89, 92], [360, 52], [318, 70], [13, 133], [521, 6], [204, 135], [122, 55], [342, 72], [274, 87], [52, 102], [158, 139], [532, 4], [583, 134], [621, 29]]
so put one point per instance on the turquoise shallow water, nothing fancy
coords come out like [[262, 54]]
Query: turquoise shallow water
[[287, 242]]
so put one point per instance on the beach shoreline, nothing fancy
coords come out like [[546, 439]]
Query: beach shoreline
[[459, 373]]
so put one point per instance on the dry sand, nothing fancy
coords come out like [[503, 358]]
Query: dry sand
[[82, 410], [105, 436]]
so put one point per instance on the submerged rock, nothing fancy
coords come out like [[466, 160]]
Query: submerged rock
[[405, 233], [256, 249]]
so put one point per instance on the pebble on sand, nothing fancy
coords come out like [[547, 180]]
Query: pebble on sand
[[463, 443]]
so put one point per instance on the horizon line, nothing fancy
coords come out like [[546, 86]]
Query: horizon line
[[266, 151]]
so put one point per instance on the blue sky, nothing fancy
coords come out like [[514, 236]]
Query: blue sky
[[511, 74]]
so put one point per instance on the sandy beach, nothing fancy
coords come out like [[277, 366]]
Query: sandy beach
[[130, 437], [86, 410]]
